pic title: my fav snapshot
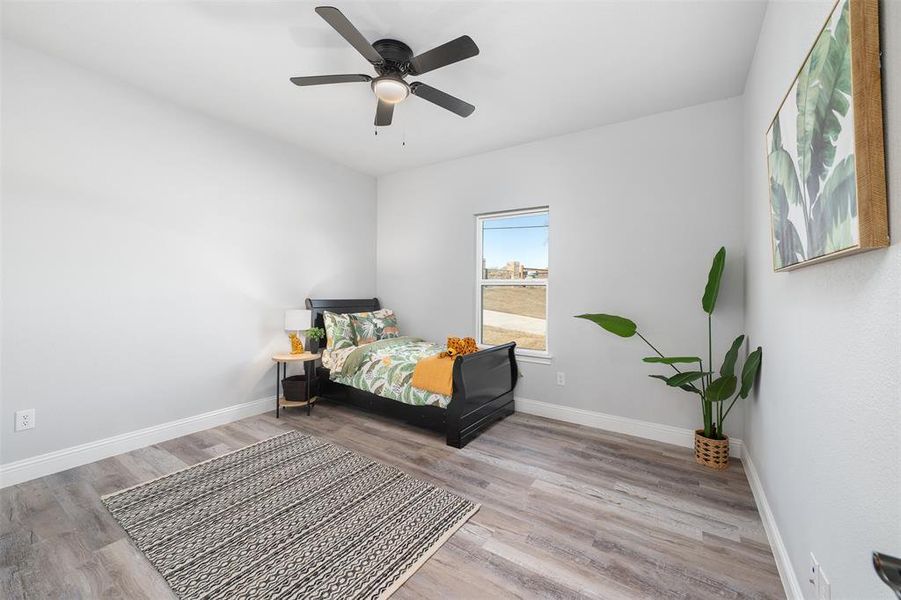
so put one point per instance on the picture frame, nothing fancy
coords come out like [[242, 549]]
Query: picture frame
[[825, 146]]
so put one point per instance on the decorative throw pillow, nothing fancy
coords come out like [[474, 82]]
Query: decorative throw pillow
[[372, 326], [339, 333]]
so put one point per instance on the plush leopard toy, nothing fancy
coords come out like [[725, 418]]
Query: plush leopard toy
[[459, 347]]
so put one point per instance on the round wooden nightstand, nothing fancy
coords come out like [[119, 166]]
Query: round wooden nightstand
[[281, 370]]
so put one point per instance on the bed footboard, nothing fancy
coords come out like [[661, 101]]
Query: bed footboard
[[483, 392]]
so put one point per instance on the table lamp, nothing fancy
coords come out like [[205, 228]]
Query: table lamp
[[297, 320]]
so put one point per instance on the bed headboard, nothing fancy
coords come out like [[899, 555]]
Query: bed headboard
[[319, 306]]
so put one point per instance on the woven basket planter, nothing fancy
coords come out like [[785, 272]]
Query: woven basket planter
[[713, 454]]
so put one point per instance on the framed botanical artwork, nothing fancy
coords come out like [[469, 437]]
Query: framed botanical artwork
[[825, 152]]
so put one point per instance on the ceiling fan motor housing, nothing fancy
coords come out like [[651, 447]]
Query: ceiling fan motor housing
[[397, 57]]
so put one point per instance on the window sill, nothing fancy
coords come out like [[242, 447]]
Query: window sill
[[526, 357], [532, 358]]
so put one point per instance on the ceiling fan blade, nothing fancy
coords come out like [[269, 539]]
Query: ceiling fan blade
[[339, 22], [442, 99], [383, 113], [446, 54], [324, 79]]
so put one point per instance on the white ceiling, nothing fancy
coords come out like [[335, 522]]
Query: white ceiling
[[545, 68]]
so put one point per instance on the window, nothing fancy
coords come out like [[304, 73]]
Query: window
[[511, 298]]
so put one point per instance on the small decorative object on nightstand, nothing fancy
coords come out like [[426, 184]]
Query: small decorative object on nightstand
[[281, 370], [296, 321], [315, 333]]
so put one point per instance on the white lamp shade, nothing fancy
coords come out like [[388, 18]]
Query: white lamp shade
[[297, 319]]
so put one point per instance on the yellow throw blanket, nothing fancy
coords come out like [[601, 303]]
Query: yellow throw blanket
[[436, 373]]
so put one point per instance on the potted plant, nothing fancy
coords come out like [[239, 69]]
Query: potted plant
[[715, 389], [314, 333]]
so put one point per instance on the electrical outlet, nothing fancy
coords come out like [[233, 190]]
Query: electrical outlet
[[813, 575], [561, 378], [24, 419]]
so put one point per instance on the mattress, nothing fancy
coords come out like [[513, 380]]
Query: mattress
[[385, 368]]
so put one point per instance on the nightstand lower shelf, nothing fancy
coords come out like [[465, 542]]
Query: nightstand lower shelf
[[296, 403]]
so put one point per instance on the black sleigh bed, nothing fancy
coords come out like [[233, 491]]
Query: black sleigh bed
[[483, 385]]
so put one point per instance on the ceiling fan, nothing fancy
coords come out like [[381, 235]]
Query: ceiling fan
[[393, 61]]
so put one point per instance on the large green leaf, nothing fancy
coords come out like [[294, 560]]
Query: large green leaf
[[712, 290], [822, 98], [721, 388], [836, 204], [672, 360], [749, 372], [783, 173], [777, 135], [789, 249], [728, 367], [684, 378], [841, 237], [620, 326], [785, 190], [687, 387]]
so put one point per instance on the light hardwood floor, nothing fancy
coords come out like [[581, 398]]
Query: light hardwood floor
[[567, 512]]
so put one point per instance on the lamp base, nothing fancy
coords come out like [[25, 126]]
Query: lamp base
[[296, 343]]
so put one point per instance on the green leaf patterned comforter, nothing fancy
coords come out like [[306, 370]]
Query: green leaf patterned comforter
[[386, 368]]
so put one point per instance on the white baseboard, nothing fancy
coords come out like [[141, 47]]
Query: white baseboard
[[67, 458], [780, 552], [668, 434]]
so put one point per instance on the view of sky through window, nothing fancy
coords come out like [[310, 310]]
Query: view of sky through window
[[521, 238]]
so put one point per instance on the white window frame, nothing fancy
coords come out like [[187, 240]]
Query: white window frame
[[538, 355]]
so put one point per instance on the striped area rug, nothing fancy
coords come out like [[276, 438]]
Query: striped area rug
[[289, 517]]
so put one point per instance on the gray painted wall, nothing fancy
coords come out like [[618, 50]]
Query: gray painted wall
[[125, 305], [637, 211], [824, 429], [148, 254]]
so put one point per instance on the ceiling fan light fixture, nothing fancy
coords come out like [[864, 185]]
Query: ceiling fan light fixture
[[390, 89]]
